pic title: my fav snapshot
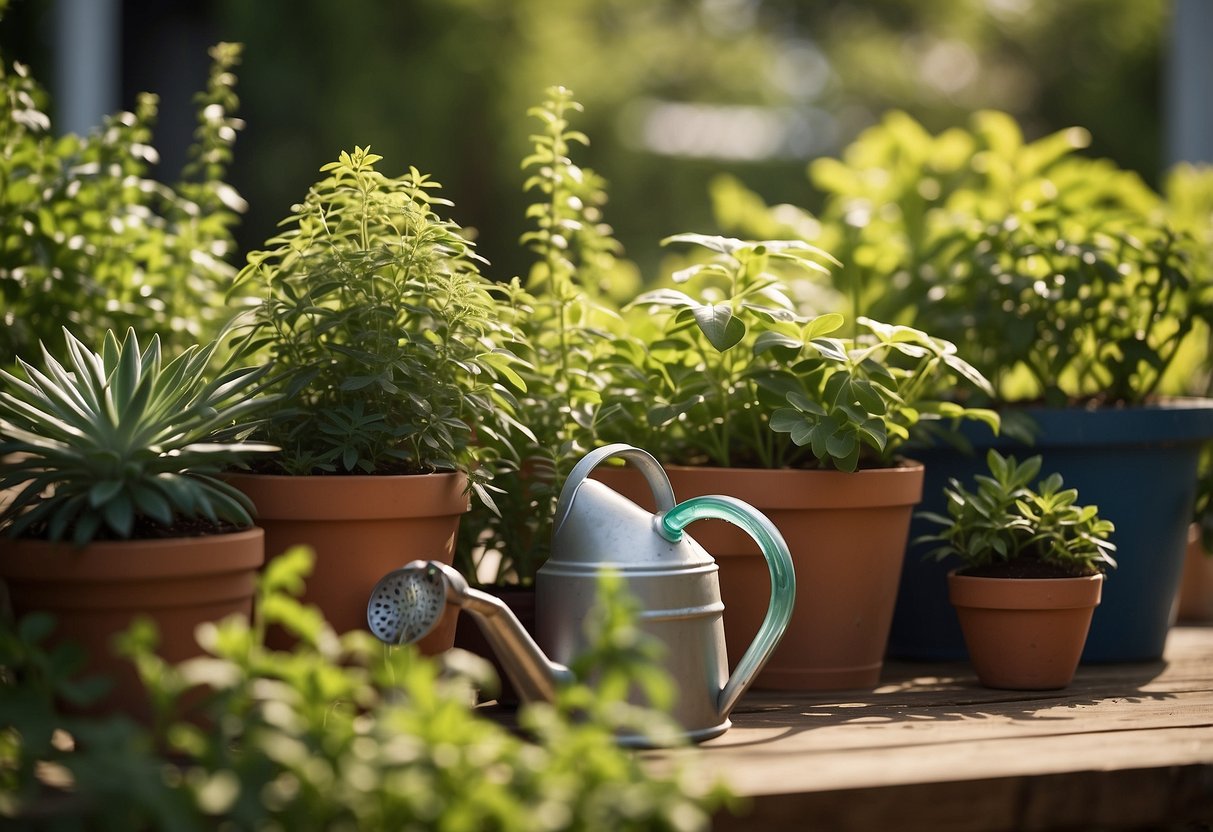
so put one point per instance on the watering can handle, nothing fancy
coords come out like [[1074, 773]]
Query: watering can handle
[[642, 460], [783, 579]]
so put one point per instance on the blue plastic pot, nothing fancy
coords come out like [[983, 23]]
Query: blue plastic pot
[[1137, 464]]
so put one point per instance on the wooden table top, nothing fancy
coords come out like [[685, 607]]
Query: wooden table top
[[1126, 746]]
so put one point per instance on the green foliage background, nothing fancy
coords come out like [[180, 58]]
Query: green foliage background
[[442, 85]]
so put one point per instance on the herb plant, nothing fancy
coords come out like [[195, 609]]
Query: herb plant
[[1069, 314], [121, 443], [564, 319], [385, 338], [340, 732], [89, 240], [738, 377], [1061, 278], [1007, 520]]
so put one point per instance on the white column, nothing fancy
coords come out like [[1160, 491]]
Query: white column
[[1189, 101], [88, 63]]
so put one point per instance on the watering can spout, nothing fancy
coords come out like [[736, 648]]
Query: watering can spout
[[408, 602], [533, 674]]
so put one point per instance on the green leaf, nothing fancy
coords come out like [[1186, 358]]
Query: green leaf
[[868, 397], [503, 365], [841, 445], [120, 514], [788, 346], [802, 402], [103, 491], [720, 326], [662, 415], [723, 245], [830, 348], [823, 325], [786, 420]]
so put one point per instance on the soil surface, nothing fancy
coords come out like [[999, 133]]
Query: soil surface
[[145, 529], [1026, 568]]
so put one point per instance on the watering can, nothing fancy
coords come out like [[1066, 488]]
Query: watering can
[[674, 581]]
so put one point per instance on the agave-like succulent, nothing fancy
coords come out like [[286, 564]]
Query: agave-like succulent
[[116, 436]]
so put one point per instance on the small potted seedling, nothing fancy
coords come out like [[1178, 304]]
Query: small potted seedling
[[1034, 562]]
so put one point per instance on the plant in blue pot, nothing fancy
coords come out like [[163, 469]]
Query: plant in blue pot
[[1072, 287]]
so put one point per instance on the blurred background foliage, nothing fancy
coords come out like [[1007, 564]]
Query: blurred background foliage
[[675, 91]]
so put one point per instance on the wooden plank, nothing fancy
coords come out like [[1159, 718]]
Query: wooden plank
[[1130, 799], [1124, 745], [766, 770]]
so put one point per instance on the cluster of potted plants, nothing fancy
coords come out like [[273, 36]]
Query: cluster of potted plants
[[1080, 293], [334, 733], [396, 385], [743, 394], [375, 350]]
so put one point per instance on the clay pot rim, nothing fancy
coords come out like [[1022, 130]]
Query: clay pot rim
[[801, 488], [1024, 593], [119, 560]]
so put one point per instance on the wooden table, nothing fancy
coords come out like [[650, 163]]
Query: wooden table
[[1124, 747]]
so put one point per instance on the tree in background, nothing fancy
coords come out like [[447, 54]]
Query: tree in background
[[675, 91]]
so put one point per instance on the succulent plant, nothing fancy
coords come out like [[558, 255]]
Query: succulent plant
[[115, 443]]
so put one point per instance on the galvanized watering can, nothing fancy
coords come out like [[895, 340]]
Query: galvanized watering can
[[674, 580]]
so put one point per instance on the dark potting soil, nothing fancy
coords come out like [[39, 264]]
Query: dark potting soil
[[145, 529], [1026, 568]]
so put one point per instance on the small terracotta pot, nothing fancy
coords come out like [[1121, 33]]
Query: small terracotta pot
[[1024, 633], [847, 535], [96, 592], [1194, 604], [360, 528]]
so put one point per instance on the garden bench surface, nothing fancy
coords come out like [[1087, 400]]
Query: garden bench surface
[[1125, 746]]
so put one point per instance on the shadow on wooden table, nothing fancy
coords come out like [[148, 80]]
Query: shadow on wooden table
[[948, 692]]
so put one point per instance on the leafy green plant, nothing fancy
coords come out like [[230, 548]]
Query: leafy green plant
[[119, 442], [1063, 313], [343, 732], [1007, 520], [564, 318], [386, 339], [738, 377], [89, 240], [1061, 278]]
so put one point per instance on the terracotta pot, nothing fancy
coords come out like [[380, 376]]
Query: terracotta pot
[[847, 536], [468, 635], [360, 528], [1154, 448], [1194, 604], [95, 593], [1024, 633]]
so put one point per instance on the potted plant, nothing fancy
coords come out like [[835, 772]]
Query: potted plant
[[1034, 564], [339, 732], [738, 393], [1079, 310], [565, 315], [116, 508], [1073, 287], [389, 353]]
